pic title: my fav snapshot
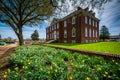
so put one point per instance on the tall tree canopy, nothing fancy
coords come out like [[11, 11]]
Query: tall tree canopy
[[104, 33], [35, 35], [17, 13]]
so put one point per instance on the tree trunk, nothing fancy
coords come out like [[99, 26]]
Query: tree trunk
[[20, 37]]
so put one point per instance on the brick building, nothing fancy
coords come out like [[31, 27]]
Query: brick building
[[81, 26]]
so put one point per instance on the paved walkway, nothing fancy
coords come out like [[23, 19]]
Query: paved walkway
[[3, 49]]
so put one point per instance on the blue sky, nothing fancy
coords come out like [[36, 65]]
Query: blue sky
[[109, 16]]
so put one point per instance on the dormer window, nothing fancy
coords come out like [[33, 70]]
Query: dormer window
[[73, 20], [65, 23], [73, 32]]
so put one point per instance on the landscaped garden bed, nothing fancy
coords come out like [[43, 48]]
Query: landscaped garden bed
[[105, 47], [44, 63]]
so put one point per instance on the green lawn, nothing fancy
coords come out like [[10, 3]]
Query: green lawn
[[107, 47]]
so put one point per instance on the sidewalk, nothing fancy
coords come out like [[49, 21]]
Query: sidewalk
[[3, 49]]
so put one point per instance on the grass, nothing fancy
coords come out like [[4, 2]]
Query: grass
[[106, 47]]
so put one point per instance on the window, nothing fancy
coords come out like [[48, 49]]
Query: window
[[54, 27], [96, 33], [73, 32], [93, 33], [86, 32], [57, 34], [96, 24], [73, 41], [65, 34], [86, 41], [65, 23], [89, 21], [89, 32], [47, 36], [86, 20], [73, 20], [65, 41], [57, 25], [50, 36], [93, 23]]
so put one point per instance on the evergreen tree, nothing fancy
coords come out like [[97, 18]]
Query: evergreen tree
[[35, 35], [104, 33]]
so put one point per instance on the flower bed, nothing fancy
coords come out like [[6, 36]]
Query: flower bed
[[43, 63]]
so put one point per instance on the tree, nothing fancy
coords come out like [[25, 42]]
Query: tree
[[35, 35], [0, 38], [17, 13], [9, 39], [104, 33]]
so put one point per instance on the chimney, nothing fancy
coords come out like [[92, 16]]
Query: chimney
[[93, 14], [79, 8], [86, 9]]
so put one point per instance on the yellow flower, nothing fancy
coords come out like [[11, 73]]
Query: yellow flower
[[51, 67], [99, 69], [41, 69], [87, 78], [8, 70], [29, 63], [80, 66], [54, 64], [5, 76], [113, 60], [16, 68], [75, 65], [83, 61], [48, 72], [71, 78], [109, 76], [106, 73], [62, 59], [5, 72], [56, 70]]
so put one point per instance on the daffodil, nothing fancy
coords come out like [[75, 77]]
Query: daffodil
[[48, 72], [83, 61], [9, 70], [87, 78], [16, 68], [51, 67], [99, 69], [106, 73], [71, 78], [5, 76], [56, 70]]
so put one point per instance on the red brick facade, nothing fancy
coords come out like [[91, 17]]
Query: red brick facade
[[80, 26]]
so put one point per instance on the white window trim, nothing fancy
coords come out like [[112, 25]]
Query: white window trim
[[73, 31], [86, 32], [86, 19], [65, 34], [65, 23], [89, 32], [89, 21], [73, 20], [57, 25]]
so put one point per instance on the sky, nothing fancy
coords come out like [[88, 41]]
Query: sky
[[109, 16]]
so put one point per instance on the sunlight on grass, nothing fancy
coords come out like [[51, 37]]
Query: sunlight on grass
[[107, 47]]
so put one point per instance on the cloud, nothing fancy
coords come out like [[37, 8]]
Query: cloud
[[110, 16]]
